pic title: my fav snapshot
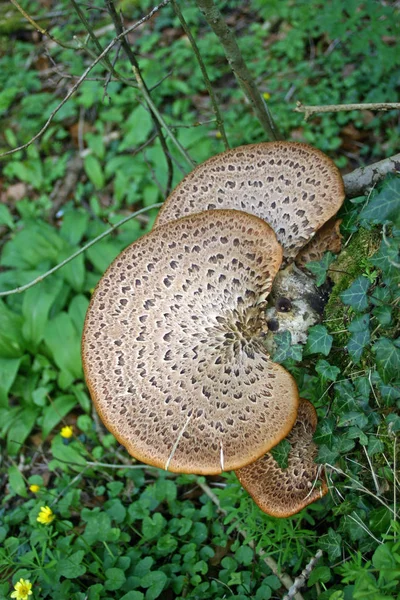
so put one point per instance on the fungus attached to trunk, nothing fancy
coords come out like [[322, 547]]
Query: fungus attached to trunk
[[284, 492], [172, 345], [292, 186]]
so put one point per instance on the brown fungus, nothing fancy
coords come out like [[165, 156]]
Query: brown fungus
[[284, 492], [172, 345], [293, 186]]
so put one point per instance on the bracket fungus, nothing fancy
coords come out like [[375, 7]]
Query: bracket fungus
[[292, 186], [284, 492], [172, 345]]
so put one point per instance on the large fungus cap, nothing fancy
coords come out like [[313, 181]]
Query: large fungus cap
[[284, 492], [172, 346], [294, 187]]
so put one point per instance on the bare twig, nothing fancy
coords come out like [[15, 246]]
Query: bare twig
[[305, 574], [218, 117], [285, 579], [155, 110], [361, 180], [18, 290], [118, 24], [324, 108], [235, 59], [39, 28], [83, 77]]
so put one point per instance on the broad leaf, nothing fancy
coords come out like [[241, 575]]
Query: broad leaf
[[356, 295], [318, 341]]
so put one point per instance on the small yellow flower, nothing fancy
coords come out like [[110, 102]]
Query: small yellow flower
[[34, 488], [266, 96], [46, 515], [218, 135], [23, 589], [67, 432]]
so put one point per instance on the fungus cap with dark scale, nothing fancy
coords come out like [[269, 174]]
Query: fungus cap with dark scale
[[292, 186], [284, 492], [172, 345]]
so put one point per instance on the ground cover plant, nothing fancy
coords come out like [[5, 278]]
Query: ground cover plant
[[78, 517]]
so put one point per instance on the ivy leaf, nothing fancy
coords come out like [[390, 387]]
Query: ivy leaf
[[357, 343], [384, 259], [331, 543], [385, 206], [320, 268], [375, 446], [356, 295], [387, 359], [383, 314], [327, 371], [284, 348], [281, 453], [318, 341], [324, 432]]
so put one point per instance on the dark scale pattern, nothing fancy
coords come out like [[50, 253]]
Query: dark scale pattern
[[284, 492], [172, 351], [327, 238], [293, 186]]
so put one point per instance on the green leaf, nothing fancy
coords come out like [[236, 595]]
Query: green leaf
[[359, 324], [69, 456], [152, 526], [55, 412], [320, 268], [133, 596], [327, 371], [94, 171], [16, 481], [115, 579], [102, 254], [6, 217], [64, 344], [8, 372], [356, 295], [318, 341], [357, 343], [20, 429], [137, 128], [11, 341], [384, 559], [387, 359], [36, 306], [331, 543], [155, 582], [375, 446], [385, 206], [319, 574], [74, 225], [280, 452], [71, 566], [284, 348], [383, 315], [31, 246]]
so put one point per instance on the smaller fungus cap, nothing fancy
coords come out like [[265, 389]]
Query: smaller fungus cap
[[172, 345], [284, 492], [292, 186]]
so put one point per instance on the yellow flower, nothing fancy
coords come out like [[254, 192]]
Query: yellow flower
[[23, 589], [266, 96], [67, 432], [46, 515], [218, 135], [34, 488]]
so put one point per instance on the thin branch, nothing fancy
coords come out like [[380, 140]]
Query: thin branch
[[300, 581], [118, 24], [324, 108], [18, 290], [285, 579], [361, 180], [239, 68], [218, 117], [155, 110], [83, 77], [40, 29]]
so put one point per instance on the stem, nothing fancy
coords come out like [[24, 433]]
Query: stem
[[218, 117], [18, 290], [324, 108], [360, 180], [239, 68], [117, 20]]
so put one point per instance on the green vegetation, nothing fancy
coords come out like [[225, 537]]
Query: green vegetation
[[114, 529]]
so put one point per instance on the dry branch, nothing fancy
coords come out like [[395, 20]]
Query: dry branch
[[324, 108], [363, 179], [305, 574], [239, 68]]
